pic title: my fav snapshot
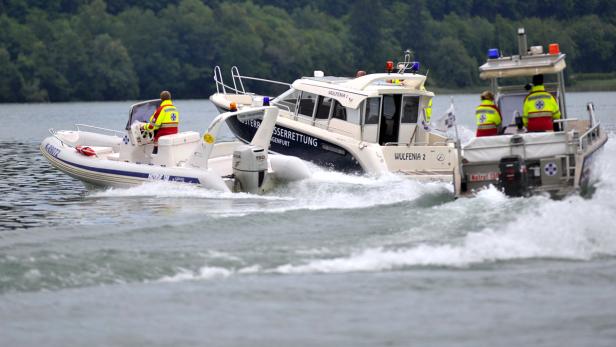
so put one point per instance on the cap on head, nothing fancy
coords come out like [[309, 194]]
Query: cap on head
[[165, 95], [537, 80], [487, 95]]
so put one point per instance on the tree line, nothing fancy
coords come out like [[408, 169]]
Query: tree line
[[63, 50]]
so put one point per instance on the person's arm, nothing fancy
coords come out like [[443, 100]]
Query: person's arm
[[525, 113]]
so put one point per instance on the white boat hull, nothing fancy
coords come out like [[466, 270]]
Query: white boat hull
[[112, 161], [111, 173]]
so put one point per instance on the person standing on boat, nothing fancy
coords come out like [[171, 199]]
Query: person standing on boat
[[429, 111], [540, 108], [488, 116], [165, 119]]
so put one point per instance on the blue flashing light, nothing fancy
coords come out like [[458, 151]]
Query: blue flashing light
[[266, 101], [415, 66], [493, 53]]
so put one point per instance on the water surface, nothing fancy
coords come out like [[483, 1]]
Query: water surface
[[335, 260]]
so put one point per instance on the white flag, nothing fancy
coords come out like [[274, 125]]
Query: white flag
[[448, 120]]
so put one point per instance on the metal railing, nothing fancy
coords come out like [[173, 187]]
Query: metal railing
[[99, 128], [238, 84], [593, 132], [54, 133]]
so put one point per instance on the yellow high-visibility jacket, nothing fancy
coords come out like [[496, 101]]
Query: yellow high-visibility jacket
[[487, 115], [429, 111], [539, 101], [165, 116]]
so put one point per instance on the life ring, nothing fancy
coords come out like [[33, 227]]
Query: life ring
[[85, 150]]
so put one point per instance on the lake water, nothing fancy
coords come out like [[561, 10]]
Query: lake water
[[335, 260]]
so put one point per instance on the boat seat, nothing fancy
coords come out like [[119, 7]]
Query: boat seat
[[179, 139]]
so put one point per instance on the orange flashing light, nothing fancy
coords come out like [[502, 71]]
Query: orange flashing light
[[554, 48], [233, 106]]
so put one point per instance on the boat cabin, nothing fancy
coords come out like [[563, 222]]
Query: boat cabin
[[378, 108], [510, 76]]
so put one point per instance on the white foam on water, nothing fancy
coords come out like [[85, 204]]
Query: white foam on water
[[574, 228], [204, 273], [209, 272], [330, 189], [163, 189]]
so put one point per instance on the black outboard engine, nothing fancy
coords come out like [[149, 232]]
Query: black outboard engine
[[513, 179]]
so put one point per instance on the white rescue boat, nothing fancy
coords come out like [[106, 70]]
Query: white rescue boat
[[371, 124], [109, 158], [519, 162]]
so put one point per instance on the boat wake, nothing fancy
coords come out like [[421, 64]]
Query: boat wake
[[505, 229], [324, 190]]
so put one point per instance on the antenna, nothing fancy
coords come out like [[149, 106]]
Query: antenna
[[522, 43]]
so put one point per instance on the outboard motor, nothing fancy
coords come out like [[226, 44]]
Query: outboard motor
[[250, 169], [513, 178]]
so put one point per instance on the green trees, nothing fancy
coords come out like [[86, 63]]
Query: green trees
[[60, 50]]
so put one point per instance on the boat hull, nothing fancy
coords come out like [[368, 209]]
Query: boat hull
[[112, 173], [294, 142], [557, 165]]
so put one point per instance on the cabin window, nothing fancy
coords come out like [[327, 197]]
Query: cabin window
[[306, 104], [410, 109], [353, 115], [339, 111], [373, 106], [323, 107], [288, 100]]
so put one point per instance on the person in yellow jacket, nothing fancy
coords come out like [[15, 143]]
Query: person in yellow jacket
[[165, 120], [540, 108], [429, 111], [488, 116]]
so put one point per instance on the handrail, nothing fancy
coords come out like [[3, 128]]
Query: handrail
[[411, 144], [278, 104], [218, 80], [99, 128], [524, 144], [238, 84], [266, 80], [588, 135], [53, 133], [231, 88], [235, 73]]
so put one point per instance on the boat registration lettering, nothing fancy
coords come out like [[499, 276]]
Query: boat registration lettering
[[284, 136], [152, 176], [484, 176], [52, 150], [337, 93], [409, 156]]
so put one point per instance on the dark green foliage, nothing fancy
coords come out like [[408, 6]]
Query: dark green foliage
[[56, 50]]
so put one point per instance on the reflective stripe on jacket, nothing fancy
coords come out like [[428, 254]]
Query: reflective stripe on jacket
[[538, 104], [487, 113], [488, 118], [165, 120]]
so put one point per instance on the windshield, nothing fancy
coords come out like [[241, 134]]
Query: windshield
[[287, 99], [141, 112]]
